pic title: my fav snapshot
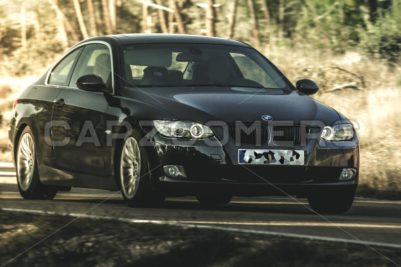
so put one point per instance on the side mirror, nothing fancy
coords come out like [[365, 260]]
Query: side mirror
[[91, 83], [307, 87]]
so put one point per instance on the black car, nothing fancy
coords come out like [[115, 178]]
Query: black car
[[159, 115]]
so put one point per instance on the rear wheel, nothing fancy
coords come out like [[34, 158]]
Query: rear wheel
[[134, 176], [28, 180], [332, 202], [212, 200]]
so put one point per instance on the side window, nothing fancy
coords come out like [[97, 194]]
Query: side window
[[62, 72], [95, 59]]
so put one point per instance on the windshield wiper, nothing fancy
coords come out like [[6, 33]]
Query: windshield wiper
[[226, 85]]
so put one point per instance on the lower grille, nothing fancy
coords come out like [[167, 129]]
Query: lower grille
[[255, 174]]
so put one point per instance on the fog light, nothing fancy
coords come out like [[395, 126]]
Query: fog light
[[174, 171], [347, 174]]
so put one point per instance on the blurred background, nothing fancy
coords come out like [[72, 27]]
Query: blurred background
[[351, 48]]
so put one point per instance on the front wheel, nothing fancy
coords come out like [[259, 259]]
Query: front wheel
[[332, 202], [28, 181], [134, 176]]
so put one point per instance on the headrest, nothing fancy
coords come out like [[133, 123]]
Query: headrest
[[155, 72], [103, 59]]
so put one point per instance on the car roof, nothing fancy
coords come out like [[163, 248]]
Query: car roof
[[159, 38]]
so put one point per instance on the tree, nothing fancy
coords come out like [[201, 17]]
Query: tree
[[146, 24], [112, 14], [92, 18], [266, 14], [255, 23], [106, 17], [211, 18], [80, 19], [177, 17], [62, 33], [23, 26], [171, 25], [233, 20], [162, 18]]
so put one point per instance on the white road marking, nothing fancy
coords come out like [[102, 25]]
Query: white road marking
[[267, 202], [297, 224], [8, 180], [7, 166], [7, 173], [370, 201], [195, 224]]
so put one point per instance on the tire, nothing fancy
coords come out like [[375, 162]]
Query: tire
[[332, 202], [26, 163], [213, 200], [133, 174]]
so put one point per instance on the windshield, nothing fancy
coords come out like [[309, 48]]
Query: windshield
[[177, 65]]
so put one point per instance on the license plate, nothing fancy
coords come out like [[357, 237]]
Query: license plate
[[271, 157]]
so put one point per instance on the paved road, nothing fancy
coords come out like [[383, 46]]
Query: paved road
[[369, 220]]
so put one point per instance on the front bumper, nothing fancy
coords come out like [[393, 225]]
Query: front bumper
[[216, 168]]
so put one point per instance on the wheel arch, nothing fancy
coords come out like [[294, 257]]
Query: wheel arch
[[19, 129], [17, 136]]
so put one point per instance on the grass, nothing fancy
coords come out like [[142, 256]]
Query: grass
[[368, 92]]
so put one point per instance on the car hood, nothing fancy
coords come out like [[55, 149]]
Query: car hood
[[231, 104]]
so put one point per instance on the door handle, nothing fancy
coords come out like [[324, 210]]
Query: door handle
[[59, 102]]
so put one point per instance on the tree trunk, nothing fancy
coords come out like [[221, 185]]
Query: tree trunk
[[70, 30], [162, 18], [171, 26], [92, 18], [178, 18], [281, 14], [80, 19], [266, 11], [23, 26], [61, 31], [74, 36], [233, 19], [373, 6], [106, 17], [255, 24], [146, 19], [112, 11], [266, 14], [211, 18]]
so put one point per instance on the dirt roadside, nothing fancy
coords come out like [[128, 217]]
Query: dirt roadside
[[85, 242]]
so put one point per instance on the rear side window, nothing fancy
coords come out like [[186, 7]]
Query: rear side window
[[62, 72]]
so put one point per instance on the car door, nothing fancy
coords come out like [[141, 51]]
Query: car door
[[81, 118], [46, 95]]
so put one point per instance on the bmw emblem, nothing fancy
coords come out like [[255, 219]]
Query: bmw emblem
[[267, 118]]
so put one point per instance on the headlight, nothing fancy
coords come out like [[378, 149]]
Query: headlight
[[183, 129], [339, 132]]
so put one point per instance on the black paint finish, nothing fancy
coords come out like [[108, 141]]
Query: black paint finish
[[92, 164]]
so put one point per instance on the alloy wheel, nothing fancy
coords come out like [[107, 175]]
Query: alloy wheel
[[26, 161], [130, 167]]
